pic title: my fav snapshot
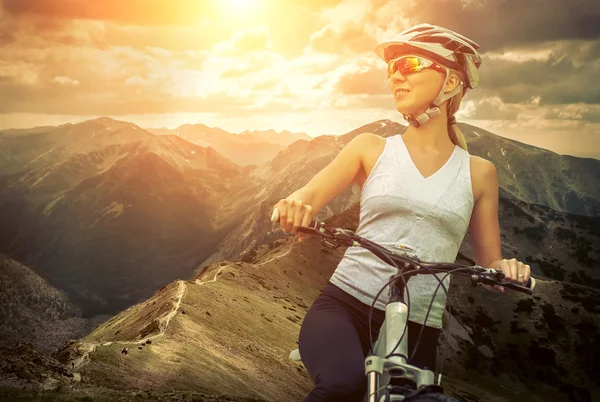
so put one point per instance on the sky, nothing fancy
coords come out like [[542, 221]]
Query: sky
[[299, 65]]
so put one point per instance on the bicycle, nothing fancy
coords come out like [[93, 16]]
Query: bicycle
[[389, 375]]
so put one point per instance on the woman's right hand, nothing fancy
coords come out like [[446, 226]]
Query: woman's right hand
[[294, 213]]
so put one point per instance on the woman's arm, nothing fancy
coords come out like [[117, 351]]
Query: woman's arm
[[304, 203], [484, 227], [338, 174]]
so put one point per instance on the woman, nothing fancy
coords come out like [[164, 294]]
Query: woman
[[420, 192]]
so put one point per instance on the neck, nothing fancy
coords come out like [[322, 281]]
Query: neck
[[431, 136]]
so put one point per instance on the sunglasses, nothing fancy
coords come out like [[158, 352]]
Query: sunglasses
[[412, 64]]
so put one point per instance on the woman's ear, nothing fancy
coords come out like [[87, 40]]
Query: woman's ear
[[453, 82]]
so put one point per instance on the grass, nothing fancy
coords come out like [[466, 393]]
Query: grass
[[10, 394], [16, 395]]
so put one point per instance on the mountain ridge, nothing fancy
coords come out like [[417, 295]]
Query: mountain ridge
[[124, 226], [266, 297]]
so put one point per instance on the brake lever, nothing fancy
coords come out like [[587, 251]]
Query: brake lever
[[331, 237], [329, 244], [483, 279]]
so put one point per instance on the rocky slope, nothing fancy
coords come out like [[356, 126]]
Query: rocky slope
[[110, 213], [34, 312], [228, 333], [244, 149], [533, 175], [562, 182], [98, 206], [174, 207]]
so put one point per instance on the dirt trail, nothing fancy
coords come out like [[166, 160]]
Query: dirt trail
[[90, 347], [277, 255], [214, 279], [199, 282]]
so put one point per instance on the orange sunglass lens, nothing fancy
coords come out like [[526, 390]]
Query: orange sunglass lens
[[405, 65]]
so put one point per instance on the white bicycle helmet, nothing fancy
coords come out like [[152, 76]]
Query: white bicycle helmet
[[448, 48]]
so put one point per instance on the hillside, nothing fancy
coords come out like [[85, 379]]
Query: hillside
[[173, 240], [109, 212], [33, 311], [228, 332], [537, 177], [244, 149]]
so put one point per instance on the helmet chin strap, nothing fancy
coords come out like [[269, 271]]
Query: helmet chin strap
[[433, 110]]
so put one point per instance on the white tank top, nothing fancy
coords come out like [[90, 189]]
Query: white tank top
[[398, 206]]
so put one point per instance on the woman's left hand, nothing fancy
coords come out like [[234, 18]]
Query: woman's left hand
[[514, 271]]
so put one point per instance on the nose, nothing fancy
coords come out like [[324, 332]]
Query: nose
[[397, 77]]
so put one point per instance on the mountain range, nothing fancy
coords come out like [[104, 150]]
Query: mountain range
[[170, 237], [245, 148], [227, 333]]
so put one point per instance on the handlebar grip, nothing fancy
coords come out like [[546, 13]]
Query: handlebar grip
[[527, 288]]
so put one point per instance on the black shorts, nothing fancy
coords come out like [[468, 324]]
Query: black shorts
[[334, 342]]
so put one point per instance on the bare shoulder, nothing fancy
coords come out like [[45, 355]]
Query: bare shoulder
[[369, 147], [482, 165], [484, 176], [368, 139], [366, 143]]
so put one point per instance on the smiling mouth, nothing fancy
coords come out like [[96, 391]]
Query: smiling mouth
[[400, 92]]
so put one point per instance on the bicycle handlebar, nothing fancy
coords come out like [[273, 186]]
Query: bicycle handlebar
[[335, 237]]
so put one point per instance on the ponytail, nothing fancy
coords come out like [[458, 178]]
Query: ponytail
[[456, 136]]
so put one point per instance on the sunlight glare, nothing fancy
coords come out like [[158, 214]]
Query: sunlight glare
[[241, 13], [241, 3]]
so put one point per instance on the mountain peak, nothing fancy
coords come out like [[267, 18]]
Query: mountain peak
[[284, 137], [195, 125], [109, 123], [104, 120], [267, 132]]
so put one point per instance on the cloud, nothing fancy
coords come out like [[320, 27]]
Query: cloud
[[247, 68], [493, 24], [178, 25], [568, 74], [143, 12], [489, 109], [578, 112], [495, 115], [57, 98], [350, 28], [365, 76], [346, 37], [65, 80], [152, 12], [498, 24], [246, 40], [37, 77], [35, 72], [88, 58], [37, 32]]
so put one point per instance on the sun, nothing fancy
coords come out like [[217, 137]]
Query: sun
[[242, 3], [241, 13]]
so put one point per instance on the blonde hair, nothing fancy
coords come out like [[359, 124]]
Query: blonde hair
[[456, 136]]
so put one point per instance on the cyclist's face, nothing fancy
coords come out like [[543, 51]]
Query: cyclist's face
[[422, 86]]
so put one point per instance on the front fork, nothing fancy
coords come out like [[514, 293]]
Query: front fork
[[378, 369], [396, 316], [374, 369]]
